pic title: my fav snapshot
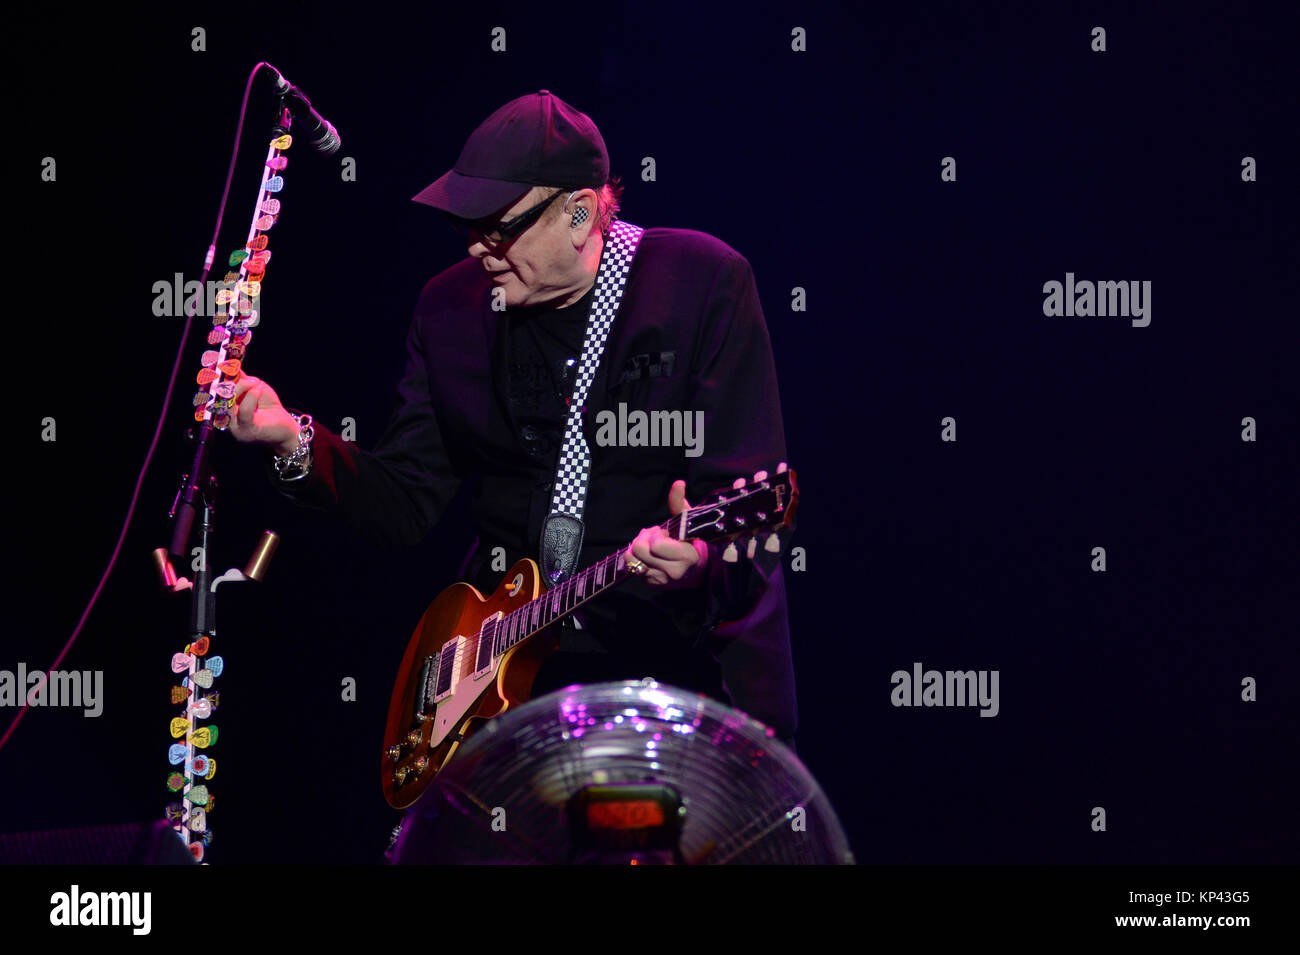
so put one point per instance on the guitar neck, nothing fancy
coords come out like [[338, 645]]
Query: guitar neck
[[566, 597]]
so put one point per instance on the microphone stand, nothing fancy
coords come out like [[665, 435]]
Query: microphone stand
[[197, 495]]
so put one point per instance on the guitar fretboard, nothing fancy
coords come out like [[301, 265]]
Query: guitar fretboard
[[509, 630]]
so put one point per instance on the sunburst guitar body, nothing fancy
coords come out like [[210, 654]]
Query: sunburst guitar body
[[472, 657]]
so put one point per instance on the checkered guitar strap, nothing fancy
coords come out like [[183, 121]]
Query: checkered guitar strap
[[562, 531]]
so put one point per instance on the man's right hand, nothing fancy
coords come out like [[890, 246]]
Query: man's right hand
[[259, 418]]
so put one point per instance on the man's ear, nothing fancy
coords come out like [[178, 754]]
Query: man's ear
[[580, 213]]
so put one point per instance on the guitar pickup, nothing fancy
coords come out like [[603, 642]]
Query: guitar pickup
[[449, 657], [487, 644]]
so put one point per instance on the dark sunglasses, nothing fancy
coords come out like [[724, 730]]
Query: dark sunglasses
[[495, 233]]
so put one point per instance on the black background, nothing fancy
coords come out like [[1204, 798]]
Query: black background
[[1119, 690]]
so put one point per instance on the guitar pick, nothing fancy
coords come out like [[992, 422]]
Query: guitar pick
[[179, 726], [263, 223], [206, 377], [201, 710], [221, 422], [213, 698], [180, 694], [230, 368], [201, 414], [207, 838], [216, 665], [198, 821], [282, 142], [210, 358], [205, 736], [224, 389], [203, 678], [176, 753], [235, 350], [258, 243], [250, 287], [278, 162], [176, 782], [218, 335], [270, 206], [199, 765], [274, 184], [212, 769], [201, 399], [198, 795], [196, 850], [237, 257], [224, 296], [180, 662], [260, 259], [174, 812]]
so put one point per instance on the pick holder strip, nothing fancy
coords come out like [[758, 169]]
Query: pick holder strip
[[236, 315]]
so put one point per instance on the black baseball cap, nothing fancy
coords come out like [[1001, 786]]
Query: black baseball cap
[[535, 140]]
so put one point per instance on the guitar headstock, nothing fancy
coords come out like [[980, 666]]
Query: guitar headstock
[[747, 509]]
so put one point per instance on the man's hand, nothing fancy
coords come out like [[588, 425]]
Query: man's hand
[[257, 417], [670, 564]]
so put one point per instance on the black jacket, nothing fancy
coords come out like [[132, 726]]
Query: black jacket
[[690, 335]]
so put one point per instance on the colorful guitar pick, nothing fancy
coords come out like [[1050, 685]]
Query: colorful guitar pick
[[199, 765], [176, 782], [203, 678], [198, 795], [270, 207], [176, 753], [205, 736], [179, 726], [218, 335], [201, 709], [282, 142], [263, 223], [198, 820], [196, 850], [278, 162], [180, 662], [237, 257], [216, 665], [180, 694], [258, 243], [175, 812]]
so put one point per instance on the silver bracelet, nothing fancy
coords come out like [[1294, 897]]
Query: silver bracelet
[[297, 465]]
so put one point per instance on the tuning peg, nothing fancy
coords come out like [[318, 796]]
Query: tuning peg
[[753, 546], [760, 476], [773, 544], [731, 555], [781, 468]]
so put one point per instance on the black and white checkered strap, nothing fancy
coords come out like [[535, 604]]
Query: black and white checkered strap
[[569, 494]]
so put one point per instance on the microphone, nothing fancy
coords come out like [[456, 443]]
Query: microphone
[[324, 137]]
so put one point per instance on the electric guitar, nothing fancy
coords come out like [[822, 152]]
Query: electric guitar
[[472, 657]]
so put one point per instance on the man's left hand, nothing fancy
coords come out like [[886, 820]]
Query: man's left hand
[[669, 563]]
